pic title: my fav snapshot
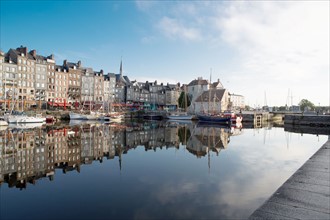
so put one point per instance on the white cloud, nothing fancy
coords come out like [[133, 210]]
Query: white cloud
[[280, 42], [173, 29], [144, 5], [273, 45]]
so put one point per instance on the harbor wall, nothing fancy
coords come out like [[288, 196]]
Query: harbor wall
[[308, 120]]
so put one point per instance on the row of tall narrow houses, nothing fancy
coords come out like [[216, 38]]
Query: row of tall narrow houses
[[29, 79]]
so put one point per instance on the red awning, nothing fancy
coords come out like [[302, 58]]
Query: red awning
[[60, 104]]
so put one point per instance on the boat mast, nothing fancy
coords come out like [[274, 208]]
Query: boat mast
[[210, 85], [185, 98], [4, 90]]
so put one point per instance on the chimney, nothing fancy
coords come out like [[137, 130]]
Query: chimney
[[101, 72], [65, 63], [33, 53], [79, 63], [23, 50]]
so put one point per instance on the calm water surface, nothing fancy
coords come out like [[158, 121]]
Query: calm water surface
[[145, 170]]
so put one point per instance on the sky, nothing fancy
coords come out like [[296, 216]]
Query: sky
[[272, 52]]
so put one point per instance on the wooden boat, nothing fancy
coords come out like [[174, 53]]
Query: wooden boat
[[214, 118]]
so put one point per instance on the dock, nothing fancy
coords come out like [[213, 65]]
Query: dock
[[305, 195]]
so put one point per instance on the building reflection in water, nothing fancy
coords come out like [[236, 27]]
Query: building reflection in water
[[27, 155]]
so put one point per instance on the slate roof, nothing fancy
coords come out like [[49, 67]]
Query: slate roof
[[204, 97], [198, 82], [215, 84], [21, 50]]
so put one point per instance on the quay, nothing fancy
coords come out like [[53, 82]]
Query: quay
[[305, 195]]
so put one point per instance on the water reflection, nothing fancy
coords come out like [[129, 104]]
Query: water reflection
[[30, 154], [147, 170]]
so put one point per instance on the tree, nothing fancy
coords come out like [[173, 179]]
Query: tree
[[304, 103], [182, 100]]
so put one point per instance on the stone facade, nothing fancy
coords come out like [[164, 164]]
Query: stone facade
[[31, 79]]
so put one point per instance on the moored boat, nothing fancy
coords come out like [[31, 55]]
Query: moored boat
[[153, 115], [179, 116], [235, 118], [21, 117], [3, 122], [77, 116], [84, 116], [214, 118]]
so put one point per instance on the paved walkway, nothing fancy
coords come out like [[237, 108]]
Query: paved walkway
[[305, 195]]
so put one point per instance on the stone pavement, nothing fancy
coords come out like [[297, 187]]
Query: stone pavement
[[305, 195]]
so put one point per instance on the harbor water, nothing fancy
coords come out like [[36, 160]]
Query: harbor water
[[145, 170]]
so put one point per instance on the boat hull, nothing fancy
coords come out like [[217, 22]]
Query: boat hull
[[76, 116], [153, 117], [214, 119], [13, 119]]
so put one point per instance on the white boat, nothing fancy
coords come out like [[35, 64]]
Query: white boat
[[26, 125], [82, 116], [113, 118], [3, 123], [77, 116], [180, 116], [93, 115], [235, 118], [16, 117]]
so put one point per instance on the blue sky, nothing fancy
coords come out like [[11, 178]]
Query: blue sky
[[263, 50]]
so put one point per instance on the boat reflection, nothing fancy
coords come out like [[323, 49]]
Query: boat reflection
[[27, 155], [207, 137]]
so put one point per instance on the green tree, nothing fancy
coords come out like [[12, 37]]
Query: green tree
[[182, 99], [304, 103]]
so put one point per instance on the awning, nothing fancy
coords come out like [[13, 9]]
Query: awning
[[60, 104]]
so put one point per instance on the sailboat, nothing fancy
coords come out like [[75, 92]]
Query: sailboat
[[21, 117], [181, 115], [213, 117], [91, 115]]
